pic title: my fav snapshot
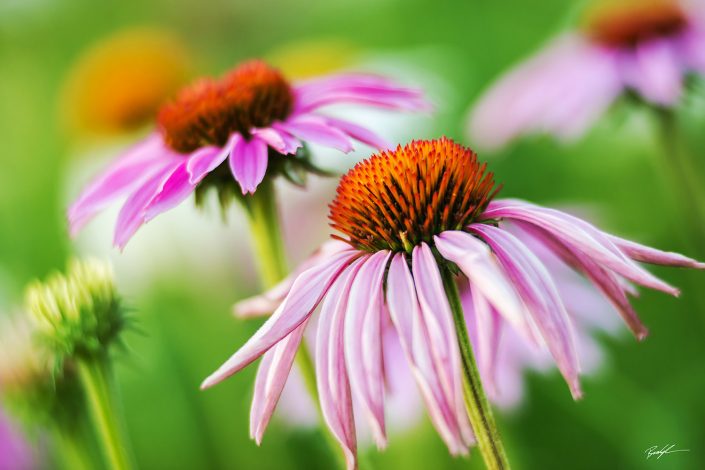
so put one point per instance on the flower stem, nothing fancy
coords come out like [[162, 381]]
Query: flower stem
[[267, 237], [266, 234], [682, 170], [95, 377], [478, 407]]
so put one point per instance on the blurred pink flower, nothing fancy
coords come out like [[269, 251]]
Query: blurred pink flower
[[238, 118], [15, 453], [646, 46], [408, 216]]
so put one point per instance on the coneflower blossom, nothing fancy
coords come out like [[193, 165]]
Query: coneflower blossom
[[411, 219], [647, 47], [219, 131]]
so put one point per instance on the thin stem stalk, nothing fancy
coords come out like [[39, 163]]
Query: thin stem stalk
[[95, 377], [478, 407]]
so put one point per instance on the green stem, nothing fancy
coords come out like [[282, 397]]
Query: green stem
[[266, 234], [683, 173], [73, 456], [94, 375], [478, 407], [269, 247]]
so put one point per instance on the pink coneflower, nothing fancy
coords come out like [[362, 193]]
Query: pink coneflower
[[416, 222], [647, 47], [231, 128]]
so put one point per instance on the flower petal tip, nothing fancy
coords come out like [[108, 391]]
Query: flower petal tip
[[576, 390], [209, 382], [642, 334]]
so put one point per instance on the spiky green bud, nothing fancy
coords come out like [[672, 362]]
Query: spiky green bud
[[79, 314]]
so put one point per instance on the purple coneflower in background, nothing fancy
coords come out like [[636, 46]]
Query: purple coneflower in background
[[647, 47], [416, 222], [232, 127]]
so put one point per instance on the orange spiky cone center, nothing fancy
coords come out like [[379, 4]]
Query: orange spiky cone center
[[398, 198], [627, 23], [253, 95]]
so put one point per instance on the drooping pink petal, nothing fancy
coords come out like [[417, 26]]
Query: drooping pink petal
[[654, 70], [477, 262], [248, 163], [132, 214], [306, 292], [691, 45], [580, 236], [438, 317], [363, 342], [544, 304], [646, 254], [562, 91], [610, 284], [124, 175], [331, 372], [282, 142], [485, 329], [184, 180], [316, 130], [360, 133], [267, 302], [357, 89], [271, 378], [405, 312]]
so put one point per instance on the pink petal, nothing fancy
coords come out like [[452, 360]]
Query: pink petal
[[477, 262], [132, 214], [610, 285], [282, 142], [127, 173], [580, 236], [536, 287], [357, 88], [408, 320], [184, 180], [331, 372], [306, 292], [266, 303], [441, 328], [655, 71], [271, 378], [363, 342], [317, 131], [248, 163], [561, 91], [692, 46], [360, 133], [485, 327], [646, 254]]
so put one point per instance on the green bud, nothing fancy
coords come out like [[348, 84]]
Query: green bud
[[76, 315]]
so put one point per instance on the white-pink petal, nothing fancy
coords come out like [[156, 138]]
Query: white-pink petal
[[271, 377], [405, 312], [363, 342], [306, 292], [331, 372], [539, 292], [438, 318]]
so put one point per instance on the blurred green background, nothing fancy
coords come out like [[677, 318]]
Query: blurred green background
[[645, 394]]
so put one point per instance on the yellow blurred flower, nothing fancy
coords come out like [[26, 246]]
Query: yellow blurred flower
[[309, 58], [118, 84]]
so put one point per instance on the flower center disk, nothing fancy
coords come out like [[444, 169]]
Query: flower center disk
[[396, 199], [253, 95], [627, 23]]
